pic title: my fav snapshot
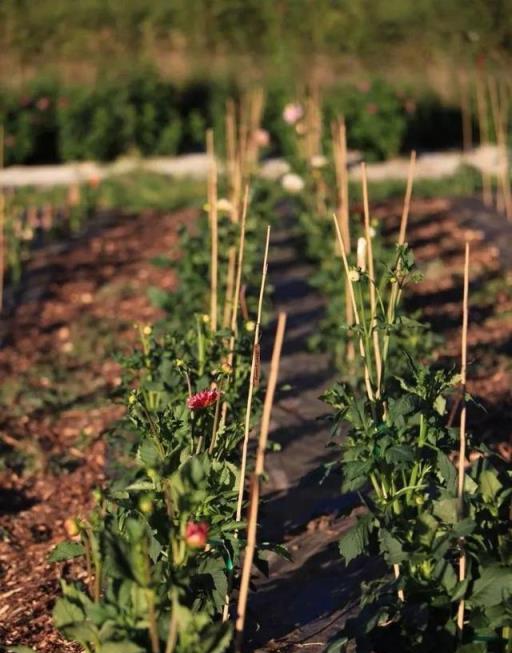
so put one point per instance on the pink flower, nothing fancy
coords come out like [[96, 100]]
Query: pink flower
[[292, 113], [202, 399], [363, 86], [196, 534], [261, 138], [372, 108], [43, 103], [410, 106]]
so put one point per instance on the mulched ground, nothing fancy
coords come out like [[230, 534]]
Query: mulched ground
[[310, 594], [77, 304]]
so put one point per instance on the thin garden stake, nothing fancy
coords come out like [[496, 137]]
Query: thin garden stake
[[395, 290], [462, 441], [483, 132], [371, 276], [230, 281], [369, 390], [407, 199], [254, 364], [339, 137], [213, 220], [255, 483], [234, 303]]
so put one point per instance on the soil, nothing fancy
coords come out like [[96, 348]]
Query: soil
[[78, 302], [303, 603]]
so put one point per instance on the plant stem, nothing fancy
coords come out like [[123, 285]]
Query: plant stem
[[172, 634]]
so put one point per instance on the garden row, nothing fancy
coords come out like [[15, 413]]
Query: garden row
[[167, 553]]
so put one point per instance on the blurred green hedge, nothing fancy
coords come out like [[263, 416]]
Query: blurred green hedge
[[48, 122]]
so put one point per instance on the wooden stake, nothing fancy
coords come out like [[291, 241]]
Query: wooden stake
[[362, 350], [339, 139], [371, 278], [395, 291], [407, 199], [213, 221], [234, 315], [230, 282], [254, 365], [462, 437], [483, 131], [255, 483], [465, 105]]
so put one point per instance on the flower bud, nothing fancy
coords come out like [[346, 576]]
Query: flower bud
[[71, 527], [196, 534], [353, 275]]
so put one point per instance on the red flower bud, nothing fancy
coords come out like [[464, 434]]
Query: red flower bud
[[196, 534]]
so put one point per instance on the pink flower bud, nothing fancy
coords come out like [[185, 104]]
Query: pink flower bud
[[196, 534]]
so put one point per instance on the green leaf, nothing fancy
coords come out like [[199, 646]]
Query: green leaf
[[66, 551], [472, 648], [490, 486], [355, 541], [121, 647], [19, 648], [493, 586], [447, 471], [391, 548], [65, 612], [427, 526], [147, 454], [446, 510]]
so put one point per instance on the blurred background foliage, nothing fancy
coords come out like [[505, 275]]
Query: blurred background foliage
[[102, 78]]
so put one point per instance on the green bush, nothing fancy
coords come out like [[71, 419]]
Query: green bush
[[140, 112]]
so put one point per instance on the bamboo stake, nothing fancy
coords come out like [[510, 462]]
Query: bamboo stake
[[362, 350], [483, 131], [213, 220], [230, 282], [372, 282], [254, 364], [395, 291], [339, 141], [248, 411], [467, 137], [407, 200], [235, 304], [241, 248], [255, 484], [462, 440]]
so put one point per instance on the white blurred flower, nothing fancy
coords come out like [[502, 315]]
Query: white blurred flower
[[361, 253], [318, 161], [292, 113], [372, 232], [292, 183], [353, 275], [224, 205]]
